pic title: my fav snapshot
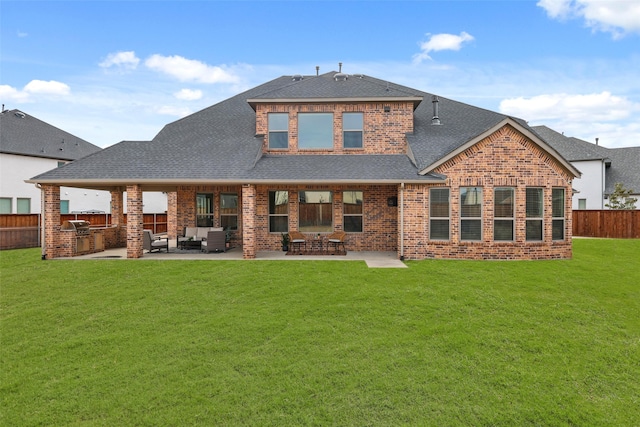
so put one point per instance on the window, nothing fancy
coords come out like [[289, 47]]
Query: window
[[315, 211], [64, 206], [471, 213], [557, 213], [278, 130], [5, 205], [60, 163], [315, 130], [229, 211], [352, 211], [278, 211], [23, 206], [582, 203], [352, 130], [534, 208], [503, 213], [439, 214], [204, 210]]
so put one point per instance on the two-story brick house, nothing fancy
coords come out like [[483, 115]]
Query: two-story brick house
[[396, 168]]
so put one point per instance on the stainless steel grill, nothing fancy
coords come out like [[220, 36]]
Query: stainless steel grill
[[80, 227]]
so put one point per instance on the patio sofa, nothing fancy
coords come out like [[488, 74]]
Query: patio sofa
[[197, 234]]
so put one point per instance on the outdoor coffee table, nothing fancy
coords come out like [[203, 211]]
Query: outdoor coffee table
[[317, 245], [190, 244]]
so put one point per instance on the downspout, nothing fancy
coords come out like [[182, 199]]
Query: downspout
[[402, 221], [43, 247]]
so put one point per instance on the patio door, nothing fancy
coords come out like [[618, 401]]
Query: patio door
[[204, 210]]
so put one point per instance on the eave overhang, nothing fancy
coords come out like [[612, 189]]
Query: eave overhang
[[172, 185], [513, 123]]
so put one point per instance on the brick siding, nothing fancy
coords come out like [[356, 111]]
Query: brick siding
[[383, 132], [504, 159]]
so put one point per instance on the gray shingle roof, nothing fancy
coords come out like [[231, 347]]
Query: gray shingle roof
[[218, 143], [572, 149], [26, 135], [625, 168], [325, 86]]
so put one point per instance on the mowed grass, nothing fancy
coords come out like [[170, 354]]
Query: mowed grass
[[442, 343]]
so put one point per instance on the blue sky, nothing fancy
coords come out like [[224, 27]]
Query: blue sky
[[108, 71]]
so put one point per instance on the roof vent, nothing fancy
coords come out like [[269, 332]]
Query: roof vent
[[340, 77], [359, 76], [297, 78], [435, 120], [20, 114]]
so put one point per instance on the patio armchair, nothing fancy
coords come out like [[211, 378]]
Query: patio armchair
[[214, 242], [297, 238], [336, 239], [152, 243]]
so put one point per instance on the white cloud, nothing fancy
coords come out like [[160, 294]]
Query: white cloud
[[600, 107], [615, 17], [51, 87], [602, 115], [121, 60], [8, 93], [185, 69], [169, 110], [438, 42], [188, 94], [22, 34], [33, 88]]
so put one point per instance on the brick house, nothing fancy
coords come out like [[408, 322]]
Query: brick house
[[396, 168]]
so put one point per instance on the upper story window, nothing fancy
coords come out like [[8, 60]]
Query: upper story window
[[352, 125], [315, 130], [23, 206], [5, 205], [278, 130]]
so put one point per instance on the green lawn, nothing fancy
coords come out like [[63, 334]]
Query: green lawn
[[124, 342]]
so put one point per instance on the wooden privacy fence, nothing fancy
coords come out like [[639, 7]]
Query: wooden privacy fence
[[23, 230], [621, 224]]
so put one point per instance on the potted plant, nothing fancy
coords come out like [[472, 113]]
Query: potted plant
[[285, 241]]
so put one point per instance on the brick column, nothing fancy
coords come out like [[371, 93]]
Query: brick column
[[134, 221], [172, 214], [51, 223], [117, 215], [249, 243]]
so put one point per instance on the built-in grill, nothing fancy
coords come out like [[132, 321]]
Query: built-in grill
[[81, 229]]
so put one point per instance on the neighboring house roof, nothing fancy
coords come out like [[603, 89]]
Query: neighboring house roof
[[622, 163], [573, 149], [219, 143], [625, 168], [25, 135]]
